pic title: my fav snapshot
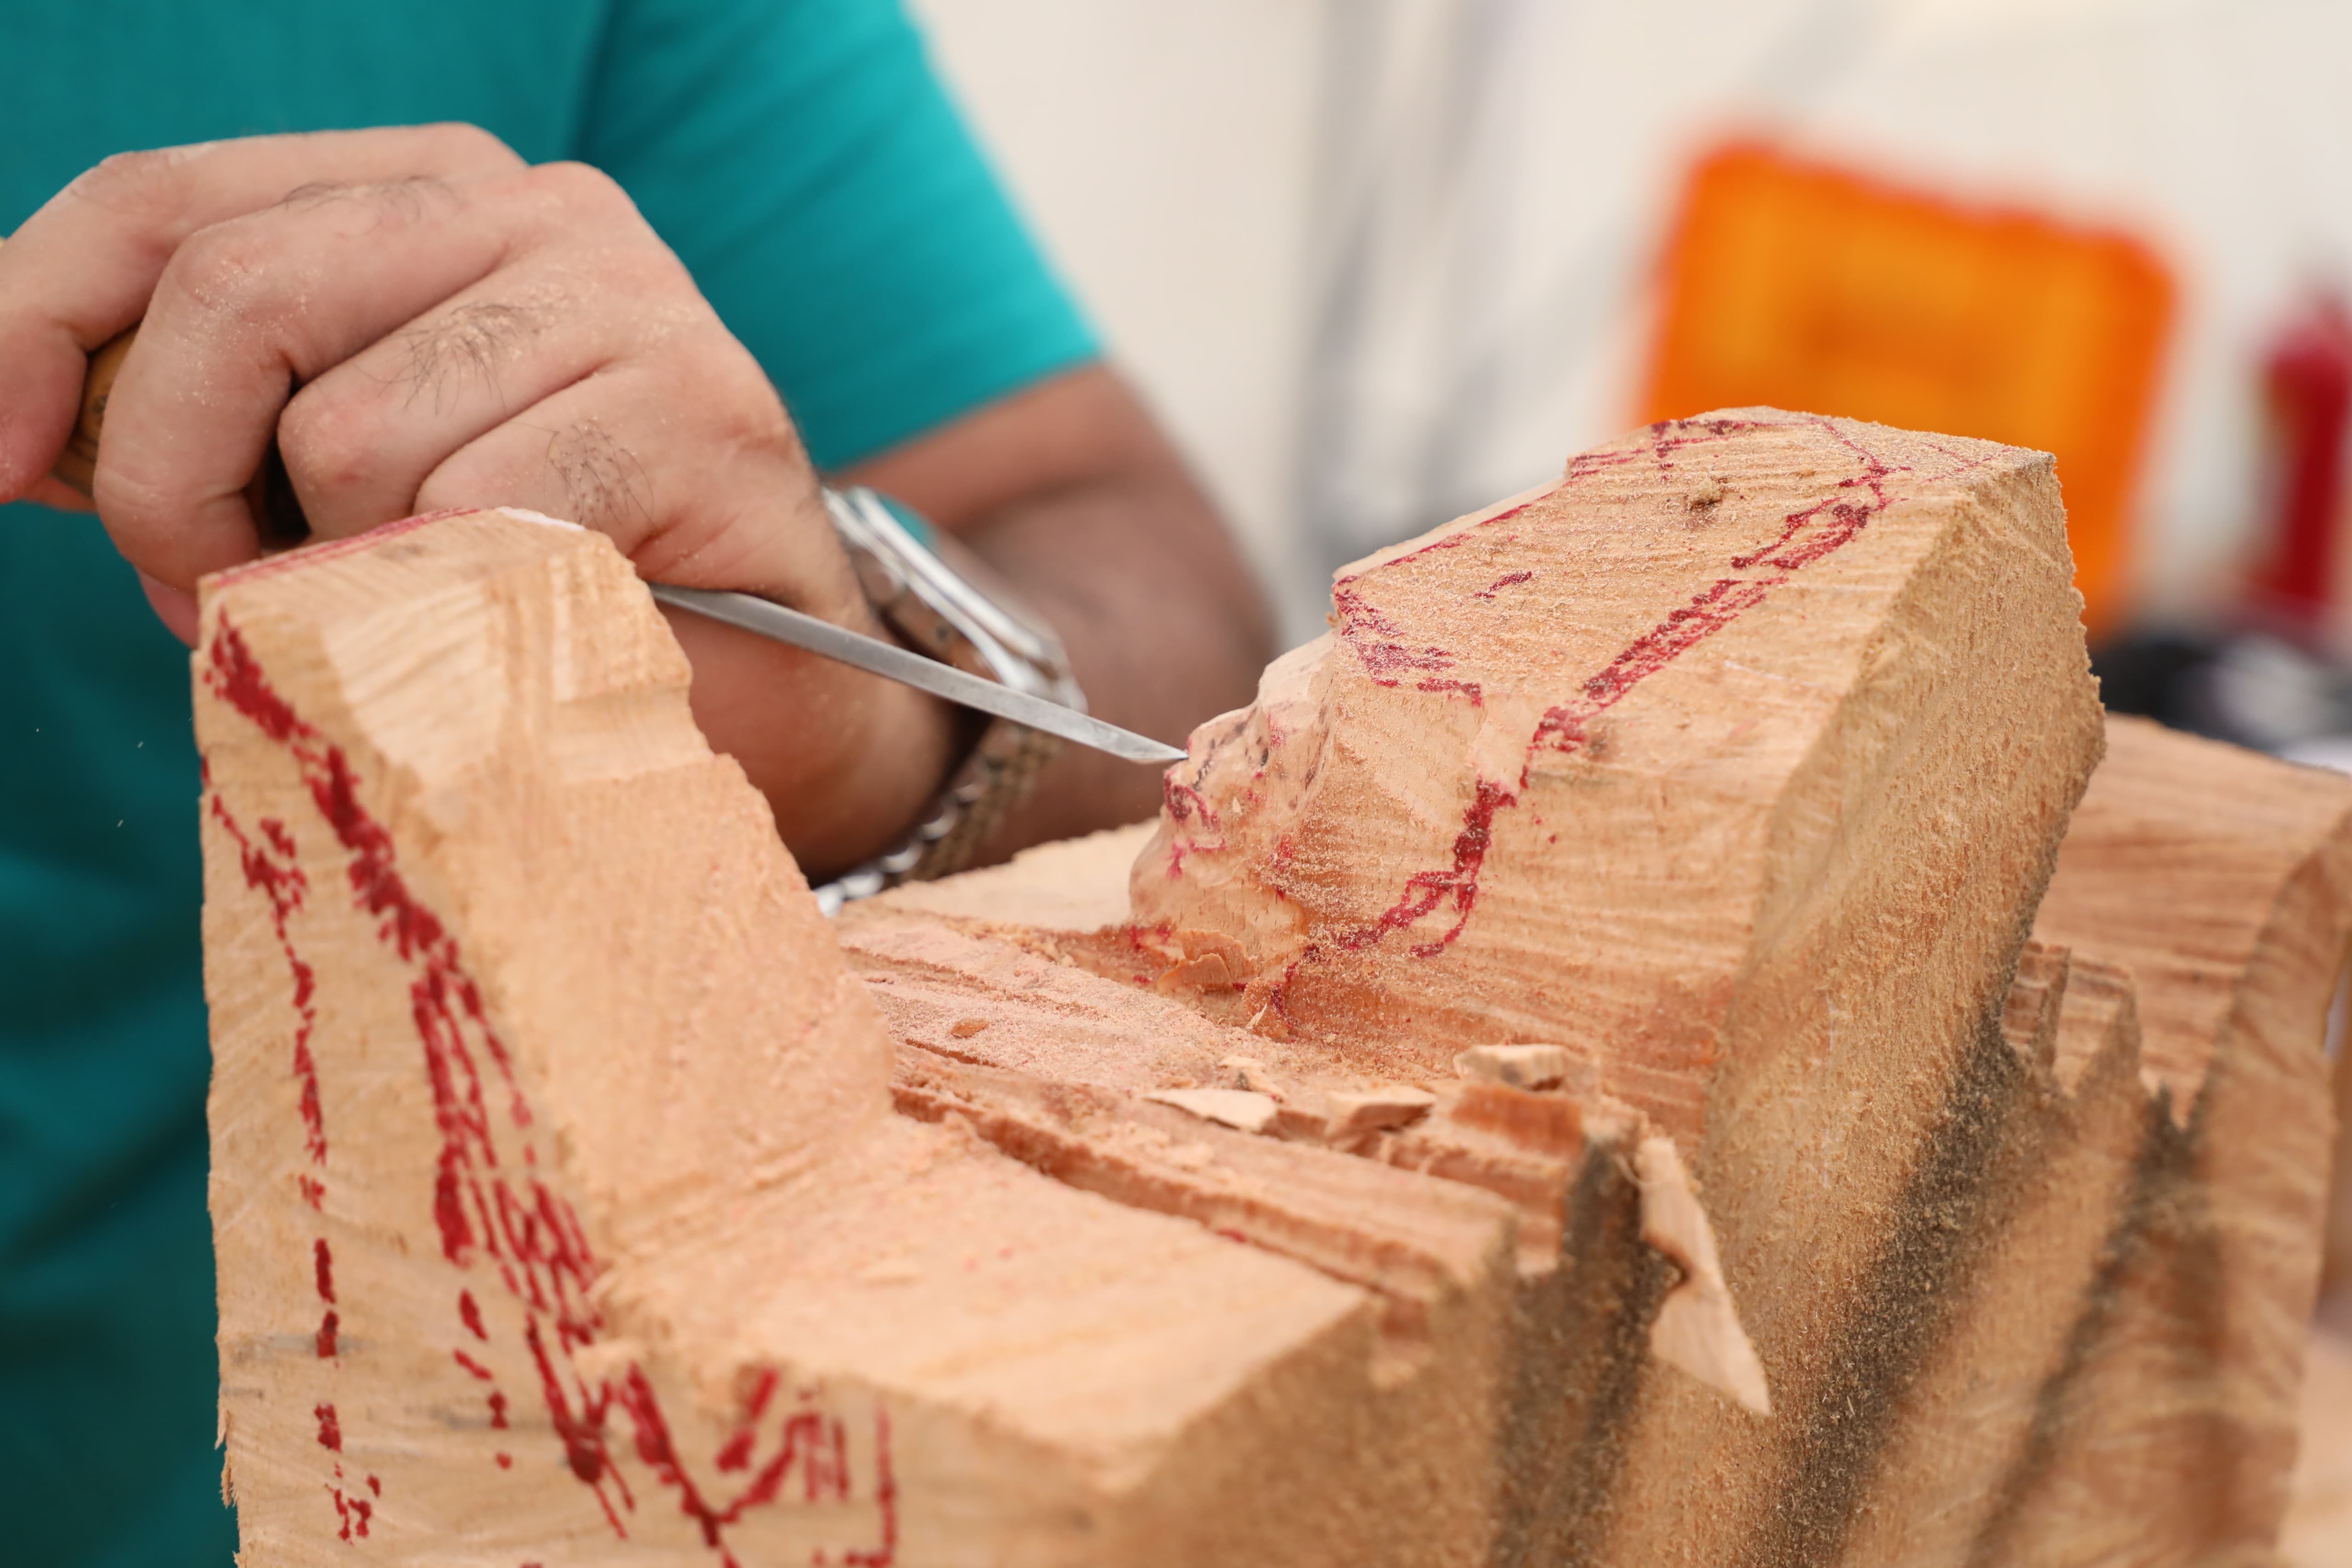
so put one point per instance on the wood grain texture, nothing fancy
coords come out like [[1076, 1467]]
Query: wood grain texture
[[2220, 878], [1585, 1005], [2318, 1529], [1017, 1030], [2061, 1185], [2336, 1271], [1735, 762], [560, 1209]]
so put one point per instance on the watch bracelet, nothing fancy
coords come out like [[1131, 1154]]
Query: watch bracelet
[[998, 774], [1003, 765]]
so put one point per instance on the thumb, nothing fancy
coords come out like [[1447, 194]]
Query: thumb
[[176, 607]]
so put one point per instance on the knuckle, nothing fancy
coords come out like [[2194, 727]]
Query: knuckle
[[407, 199], [741, 401], [667, 311], [228, 269], [583, 188], [460, 144], [608, 486], [464, 352], [137, 184], [328, 440], [652, 270]]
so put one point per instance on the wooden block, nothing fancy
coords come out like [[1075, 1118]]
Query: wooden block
[[1074, 887], [1520, 1066], [581, 1194], [2318, 1529], [1434, 1251], [2063, 1180], [2223, 880], [1077, 1047], [1741, 753], [560, 1209], [2336, 1273]]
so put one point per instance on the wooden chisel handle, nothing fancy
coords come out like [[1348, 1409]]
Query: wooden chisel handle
[[277, 514], [76, 466]]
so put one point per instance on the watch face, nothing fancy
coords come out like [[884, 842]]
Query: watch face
[[901, 566]]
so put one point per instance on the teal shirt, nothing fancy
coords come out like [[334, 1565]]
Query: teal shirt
[[800, 157]]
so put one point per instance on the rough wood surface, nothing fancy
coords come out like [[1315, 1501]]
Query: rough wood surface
[[2336, 1272], [2058, 1182], [2223, 880], [1735, 762], [2318, 1529], [560, 1209], [1691, 1162], [1120, 1089]]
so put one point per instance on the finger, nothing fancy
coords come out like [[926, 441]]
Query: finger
[[81, 268], [251, 308], [687, 461], [248, 309], [673, 460], [360, 440], [57, 495], [176, 607]]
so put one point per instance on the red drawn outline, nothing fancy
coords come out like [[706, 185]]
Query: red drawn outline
[[1383, 648], [480, 1207]]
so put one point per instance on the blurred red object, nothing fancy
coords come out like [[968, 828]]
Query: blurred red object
[[2307, 398]]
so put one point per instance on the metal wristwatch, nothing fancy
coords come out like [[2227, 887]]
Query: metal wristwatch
[[936, 612]]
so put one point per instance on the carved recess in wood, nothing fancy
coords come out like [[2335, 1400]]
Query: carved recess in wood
[[560, 1206], [1735, 762], [561, 1211]]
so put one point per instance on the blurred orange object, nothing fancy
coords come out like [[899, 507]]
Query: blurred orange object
[[1812, 287]]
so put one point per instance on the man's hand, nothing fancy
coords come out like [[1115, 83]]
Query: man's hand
[[422, 322]]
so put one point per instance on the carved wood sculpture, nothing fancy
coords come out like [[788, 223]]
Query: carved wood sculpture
[[2223, 880], [560, 1201], [2056, 1188], [2318, 1529], [1564, 1082], [2335, 1280], [1750, 795]]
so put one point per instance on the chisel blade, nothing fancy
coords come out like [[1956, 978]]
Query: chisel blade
[[895, 663]]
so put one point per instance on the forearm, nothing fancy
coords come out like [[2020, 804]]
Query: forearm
[[1072, 495], [836, 804], [1164, 626]]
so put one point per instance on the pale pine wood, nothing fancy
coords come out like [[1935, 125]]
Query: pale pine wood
[[2318, 1529], [1715, 1077], [2060, 1184], [2223, 880], [1045, 1042], [2336, 1272], [1734, 762], [555, 1170], [1992, 1402]]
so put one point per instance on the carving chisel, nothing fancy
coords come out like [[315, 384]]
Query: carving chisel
[[282, 522], [889, 660]]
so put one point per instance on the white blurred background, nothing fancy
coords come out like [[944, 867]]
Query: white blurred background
[[1380, 261]]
